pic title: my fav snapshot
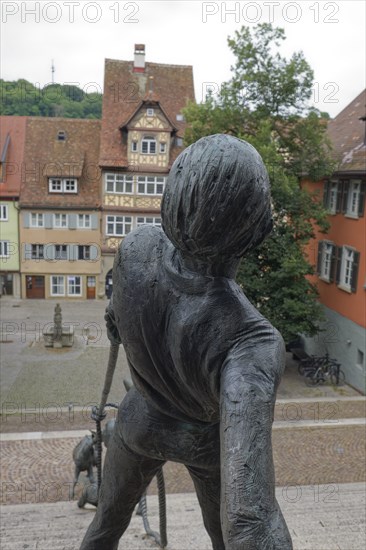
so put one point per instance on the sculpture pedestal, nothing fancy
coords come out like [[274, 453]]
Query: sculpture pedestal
[[63, 340]]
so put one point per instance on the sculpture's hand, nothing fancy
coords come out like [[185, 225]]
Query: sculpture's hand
[[251, 517], [112, 330]]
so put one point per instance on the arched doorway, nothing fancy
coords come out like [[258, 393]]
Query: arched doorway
[[108, 284]]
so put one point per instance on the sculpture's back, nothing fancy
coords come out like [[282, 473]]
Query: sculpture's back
[[205, 363]]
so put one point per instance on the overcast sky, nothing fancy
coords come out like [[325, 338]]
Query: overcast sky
[[79, 35]]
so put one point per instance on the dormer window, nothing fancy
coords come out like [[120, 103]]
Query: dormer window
[[61, 136], [148, 145], [134, 146], [149, 112], [180, 117], [62, 185]]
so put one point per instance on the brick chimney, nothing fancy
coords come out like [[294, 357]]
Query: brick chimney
[[139, 60]]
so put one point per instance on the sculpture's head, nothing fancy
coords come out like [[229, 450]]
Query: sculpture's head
[[216, 204]]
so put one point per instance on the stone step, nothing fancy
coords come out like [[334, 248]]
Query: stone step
[[318, 520]]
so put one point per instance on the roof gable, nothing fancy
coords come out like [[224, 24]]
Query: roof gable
[[159, 120]]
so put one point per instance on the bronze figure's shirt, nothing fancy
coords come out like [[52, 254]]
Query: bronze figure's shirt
[[179, 329]]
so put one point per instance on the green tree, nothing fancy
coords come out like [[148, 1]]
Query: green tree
[[266, 102]]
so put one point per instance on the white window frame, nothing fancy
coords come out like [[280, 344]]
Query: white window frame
[[61, 254], [149, 112], [134, 146], [60, 282], [36, 219], [63, 185], [71, 283], [353, 198], [118, 183], [150, 185], [326, 261], [162, 147], [347, 264], [179, 142], [121, 222], [37, 252], [83, 221], [150, 143], [4, 212], [60, 221], [148, 220], [4, 249]]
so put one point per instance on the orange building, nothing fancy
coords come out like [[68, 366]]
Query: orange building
[[339, 256]]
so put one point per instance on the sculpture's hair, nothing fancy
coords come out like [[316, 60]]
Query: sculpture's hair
[[216, 203]]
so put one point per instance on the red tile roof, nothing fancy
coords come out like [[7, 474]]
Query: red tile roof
[[123, 92], [12, 138], [76, 156], [347, 133]]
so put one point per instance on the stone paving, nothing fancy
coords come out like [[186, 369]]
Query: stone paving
[[318, 438], [325, 455]]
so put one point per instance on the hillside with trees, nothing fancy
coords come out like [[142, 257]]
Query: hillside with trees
[[22, 98]]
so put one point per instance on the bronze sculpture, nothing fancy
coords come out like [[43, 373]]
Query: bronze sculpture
[[204, 362]]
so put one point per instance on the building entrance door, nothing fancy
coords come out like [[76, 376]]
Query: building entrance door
[[35, 286], [6, 284], [90, 287]]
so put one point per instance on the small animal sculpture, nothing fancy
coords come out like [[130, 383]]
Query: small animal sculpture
[[85, 457], [89, 494]]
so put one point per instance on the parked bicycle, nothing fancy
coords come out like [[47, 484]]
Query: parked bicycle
[[318, 369]]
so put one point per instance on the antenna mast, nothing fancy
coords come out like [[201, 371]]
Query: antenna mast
[[53, 72]]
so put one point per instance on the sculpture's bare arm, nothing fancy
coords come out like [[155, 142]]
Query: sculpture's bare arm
[[251, 517]]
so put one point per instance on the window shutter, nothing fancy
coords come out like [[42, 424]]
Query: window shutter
[[94, 221], [361, 203], [333, 264], [320, 254], [72, 252], [49, 252], [48, 219], [338, 263], [356, 261], [345, 196], [72, 221], [94, 250], [326, 193], [26, 219], [69, 252], [339, 196], [27, 251]]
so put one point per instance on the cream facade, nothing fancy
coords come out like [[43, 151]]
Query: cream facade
[[60, 254]]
